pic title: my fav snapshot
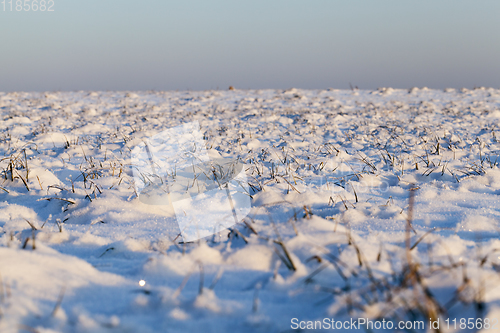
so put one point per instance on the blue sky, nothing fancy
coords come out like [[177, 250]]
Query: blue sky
[[198, 45]]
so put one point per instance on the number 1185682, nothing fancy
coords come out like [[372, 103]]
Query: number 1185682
[[27, 5]]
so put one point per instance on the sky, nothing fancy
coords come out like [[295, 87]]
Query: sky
[[201, 45]]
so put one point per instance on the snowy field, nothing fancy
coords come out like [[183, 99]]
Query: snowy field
[[365, 205]]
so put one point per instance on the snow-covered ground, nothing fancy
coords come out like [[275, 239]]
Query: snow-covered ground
[[365, 204]]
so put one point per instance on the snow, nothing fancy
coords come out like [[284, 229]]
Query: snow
[[330, 173]]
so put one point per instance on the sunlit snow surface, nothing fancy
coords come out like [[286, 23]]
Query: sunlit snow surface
[[329, 171]]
